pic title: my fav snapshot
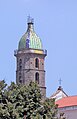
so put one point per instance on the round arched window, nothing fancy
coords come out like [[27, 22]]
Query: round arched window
[[20, 79], [37, 63], [20, 64], [37, 77]]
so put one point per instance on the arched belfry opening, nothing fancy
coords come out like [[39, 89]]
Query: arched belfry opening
[[37, 63], [30, 58], [20, 64], [37, 77], [20, 78]]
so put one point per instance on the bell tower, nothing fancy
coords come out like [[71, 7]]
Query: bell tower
[[30, 58]]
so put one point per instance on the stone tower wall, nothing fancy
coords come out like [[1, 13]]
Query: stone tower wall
[[26, 69]]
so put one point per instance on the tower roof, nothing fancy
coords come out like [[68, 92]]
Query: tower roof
[[30, 38]]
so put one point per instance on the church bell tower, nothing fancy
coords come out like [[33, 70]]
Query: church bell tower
[[30, 58]]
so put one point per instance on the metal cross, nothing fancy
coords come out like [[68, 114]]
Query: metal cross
[[60, 81]]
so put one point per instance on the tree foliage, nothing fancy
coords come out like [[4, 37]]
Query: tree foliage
[[25, 102]]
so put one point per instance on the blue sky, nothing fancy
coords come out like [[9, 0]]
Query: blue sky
[[55, 22]]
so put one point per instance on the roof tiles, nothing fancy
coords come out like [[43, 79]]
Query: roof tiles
[[67, 101]]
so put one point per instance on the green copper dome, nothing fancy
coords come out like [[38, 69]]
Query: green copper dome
[[30, 39]]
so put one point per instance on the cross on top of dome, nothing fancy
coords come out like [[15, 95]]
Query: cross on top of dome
[[30, 20]]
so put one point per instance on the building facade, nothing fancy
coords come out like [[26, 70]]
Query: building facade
[[59, 94], [68, 106], [30, 58]]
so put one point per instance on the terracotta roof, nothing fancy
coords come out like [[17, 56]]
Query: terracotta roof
[[67, 101]]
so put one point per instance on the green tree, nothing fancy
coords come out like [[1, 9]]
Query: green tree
[[50, 109], [24, 102]]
